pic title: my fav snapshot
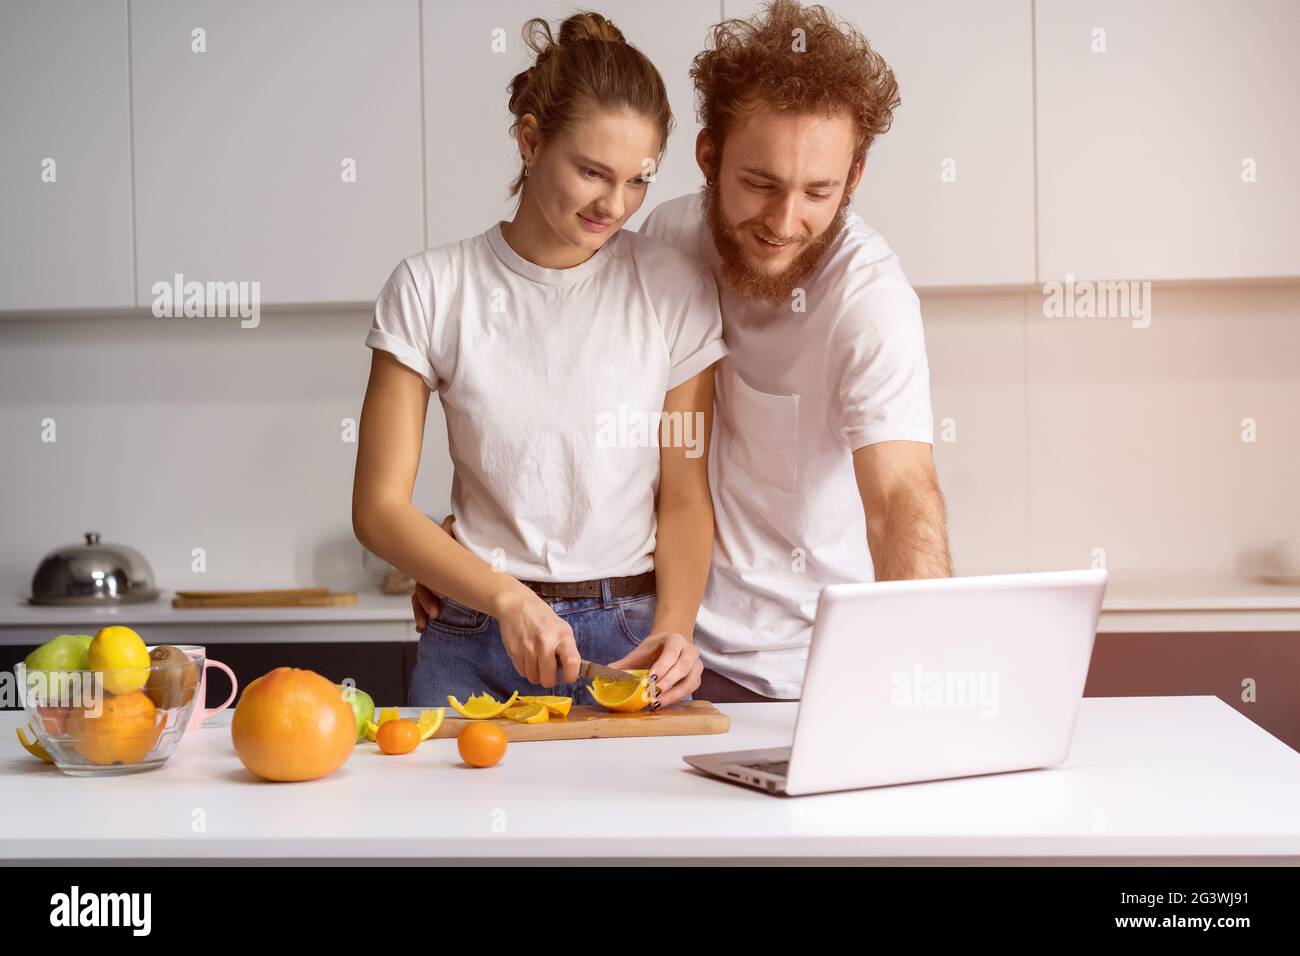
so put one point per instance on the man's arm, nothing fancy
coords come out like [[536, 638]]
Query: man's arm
[[906, 527]]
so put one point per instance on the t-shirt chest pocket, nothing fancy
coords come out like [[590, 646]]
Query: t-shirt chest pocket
[[764, 437]]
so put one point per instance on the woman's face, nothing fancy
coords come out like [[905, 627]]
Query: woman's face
[[587, 180]]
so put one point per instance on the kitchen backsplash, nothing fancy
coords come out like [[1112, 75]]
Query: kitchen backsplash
[[1055, 437]]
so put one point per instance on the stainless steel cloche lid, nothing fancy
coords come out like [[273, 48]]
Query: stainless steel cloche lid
[[93, 573]]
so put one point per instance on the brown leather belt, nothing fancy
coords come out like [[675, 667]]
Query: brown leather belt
[[632, 586]]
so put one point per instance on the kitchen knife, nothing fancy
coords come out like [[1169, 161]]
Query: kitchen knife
[[590, 669]]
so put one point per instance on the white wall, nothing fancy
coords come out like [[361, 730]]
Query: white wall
[[1071, 434], [1075, 434]]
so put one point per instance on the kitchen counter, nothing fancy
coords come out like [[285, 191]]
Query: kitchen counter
[[374, 618], [1150, 779], [1154, 603], [370, 606]]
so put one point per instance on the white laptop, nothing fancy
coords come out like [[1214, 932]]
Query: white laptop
[[929, 679]]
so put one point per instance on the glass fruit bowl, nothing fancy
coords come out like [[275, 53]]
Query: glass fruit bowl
[[105, 722]]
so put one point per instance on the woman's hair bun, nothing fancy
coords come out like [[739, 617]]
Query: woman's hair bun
[[586, 63], [589, 26]]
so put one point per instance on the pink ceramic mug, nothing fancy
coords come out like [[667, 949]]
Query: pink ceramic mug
[[200, 712]]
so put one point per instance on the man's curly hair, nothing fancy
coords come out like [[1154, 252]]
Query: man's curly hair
[[827, 68]]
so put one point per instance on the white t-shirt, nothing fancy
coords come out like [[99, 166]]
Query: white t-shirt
[[534, 367], [797, 395]]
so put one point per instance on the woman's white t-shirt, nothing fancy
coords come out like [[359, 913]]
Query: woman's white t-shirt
[[548, 378]]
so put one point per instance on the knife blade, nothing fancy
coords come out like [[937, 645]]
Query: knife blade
[[590, 669]]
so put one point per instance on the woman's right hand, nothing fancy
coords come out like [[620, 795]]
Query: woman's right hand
[[536, 638]]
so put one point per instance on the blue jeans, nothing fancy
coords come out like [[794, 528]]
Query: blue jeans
[[461, 652]]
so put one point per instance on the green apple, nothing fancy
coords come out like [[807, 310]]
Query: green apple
[[67, 652], [362, 704]]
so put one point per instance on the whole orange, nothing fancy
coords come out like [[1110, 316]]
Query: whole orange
[[481, 744], [293, 724], [398, 736], [125, 731], [54, 720]]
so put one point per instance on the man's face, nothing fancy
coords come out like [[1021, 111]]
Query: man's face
[[779, 196]]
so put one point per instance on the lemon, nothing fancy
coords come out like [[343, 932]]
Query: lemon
[[120, 654], [430, 721], [481, 706], [529, 714], [622, 695], [557, 706]]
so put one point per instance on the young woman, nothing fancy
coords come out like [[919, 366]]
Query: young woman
[[549, 339]]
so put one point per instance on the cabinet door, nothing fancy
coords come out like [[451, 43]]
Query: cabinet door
[[243, 152], [1167, 139], [951, 184], [65, 156], [471, 158]]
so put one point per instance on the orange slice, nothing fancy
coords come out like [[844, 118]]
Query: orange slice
[[481, 706], [529, 714], [622, 695], [557, 706], [33, 747], [430, 721]]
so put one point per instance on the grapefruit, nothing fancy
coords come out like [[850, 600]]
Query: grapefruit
[[293, 724]]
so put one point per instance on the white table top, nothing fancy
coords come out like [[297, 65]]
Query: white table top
[[1173, 779]]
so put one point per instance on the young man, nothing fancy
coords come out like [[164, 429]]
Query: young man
[[821, 467]]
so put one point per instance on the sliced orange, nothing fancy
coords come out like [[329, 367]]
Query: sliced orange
[[481, 706], [430, 721], [623, 695], [529, 714], [33, 747], [557, 706]]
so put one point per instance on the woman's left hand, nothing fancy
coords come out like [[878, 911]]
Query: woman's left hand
[[674, 665]]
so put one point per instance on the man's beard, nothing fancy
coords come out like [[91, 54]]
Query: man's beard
[[744, 279]]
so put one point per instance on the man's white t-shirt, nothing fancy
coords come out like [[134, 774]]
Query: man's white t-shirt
[[534, 367], [797, 395]]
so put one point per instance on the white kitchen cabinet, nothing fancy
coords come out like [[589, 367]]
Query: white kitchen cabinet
[[951, 185], [1153, 118], [243, 152], [470, 158], [65, 156]]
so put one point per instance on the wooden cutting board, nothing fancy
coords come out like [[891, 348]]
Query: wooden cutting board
[[286, 597], [585, 721]]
